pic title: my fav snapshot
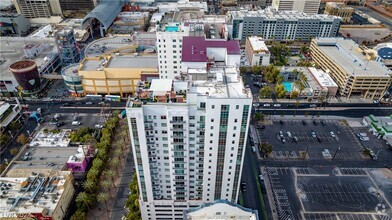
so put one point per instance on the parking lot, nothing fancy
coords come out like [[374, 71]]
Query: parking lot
[[86, 120], [312, 136], [333, 193]]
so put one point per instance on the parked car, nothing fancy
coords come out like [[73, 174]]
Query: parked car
[[283, 140], [76, 123], [315, 122], [313, 134], [319, 139], [281, 122], [364, 138], [303, 122], [89, 103], [322, 123], [266, 105], [289, 134], [98, 126], [332, 134], [59, 124], [257, 84], [243, 187], [277, 105], [254, 149], [313, 105], [295, 139], [280, 133], [261, 178]]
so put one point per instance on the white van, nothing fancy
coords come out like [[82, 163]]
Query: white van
[[76, 123]]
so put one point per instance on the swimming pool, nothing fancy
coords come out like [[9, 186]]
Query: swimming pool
[[288, 86], [171, 28]]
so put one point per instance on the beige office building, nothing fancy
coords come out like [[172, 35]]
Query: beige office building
[[357, 75], [339, 9], [110, 75]]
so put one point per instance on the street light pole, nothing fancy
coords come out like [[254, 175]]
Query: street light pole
[[336, 152]]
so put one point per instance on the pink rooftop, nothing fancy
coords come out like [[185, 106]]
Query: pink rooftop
[[194, 49]]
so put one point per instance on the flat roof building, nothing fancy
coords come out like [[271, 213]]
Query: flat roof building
[[13, 24], [352, 71], [118, 74], [339, 9], [257, 52], [220, 209], [306, 6], [41, 50], [35, 195], [281, 25], [380, 126], [39, 11]]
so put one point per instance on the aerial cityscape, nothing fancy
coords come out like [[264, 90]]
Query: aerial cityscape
[[196, 109]]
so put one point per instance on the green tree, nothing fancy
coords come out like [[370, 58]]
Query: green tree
[[79, 215], [279, 79], [280, 91], [22, 139], [265, 92], [294, 94], [256, 69], [366, 152], [92, 174], [243, 70], [259, 116], [265, 147], [14, 151], [4, 139], [114, 163], [14, 126], [104, 197], [86, 199], [111, 174], [106, 185], [89, 185]]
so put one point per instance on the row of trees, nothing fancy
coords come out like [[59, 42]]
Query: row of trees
[[101, 166], [133, 200]]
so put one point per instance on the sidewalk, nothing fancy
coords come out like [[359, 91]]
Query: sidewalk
[[99, 210], [330, 100]]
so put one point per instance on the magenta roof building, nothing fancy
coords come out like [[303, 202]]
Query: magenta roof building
[[199, 52]]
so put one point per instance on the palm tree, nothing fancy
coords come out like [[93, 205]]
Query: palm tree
[[92, 174], [124, 134], [79, 215], [118, 152], [104, 197], [85, 198], [97, 163], [110, 174], [121, 142], [89, 185], [114, 163], [106, 185]]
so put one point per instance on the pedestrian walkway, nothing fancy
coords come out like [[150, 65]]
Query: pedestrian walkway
[[99, 212]]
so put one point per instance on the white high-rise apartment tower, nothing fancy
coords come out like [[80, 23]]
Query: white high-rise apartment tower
[[307, 6], [188, 137], [169, 43]]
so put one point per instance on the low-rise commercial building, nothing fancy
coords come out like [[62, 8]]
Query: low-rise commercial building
[[339, 9], [127, 22], [316, 82], [42, 51], [281, 25], [32, 195], [220, 209], [14, 24], [117, 74], [257, 52], [354, 73], [8, 113]]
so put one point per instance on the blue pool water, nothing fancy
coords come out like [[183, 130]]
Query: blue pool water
[[287, 86], [171, 28]]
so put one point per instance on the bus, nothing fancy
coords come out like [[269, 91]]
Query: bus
[[113, 98], [94, 97]]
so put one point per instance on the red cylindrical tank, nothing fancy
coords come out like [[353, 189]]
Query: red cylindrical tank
[[26, 74]]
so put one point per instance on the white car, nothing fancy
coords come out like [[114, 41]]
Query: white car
[[266, 105], [332, 134], [313, 134], [289, 134], [98, 126], [277, 105]]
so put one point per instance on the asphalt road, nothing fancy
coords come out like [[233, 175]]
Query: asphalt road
[[251, 197], [123, 190], [375, 15]]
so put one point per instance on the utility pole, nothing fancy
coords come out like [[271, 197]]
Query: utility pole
[[336, 152]]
